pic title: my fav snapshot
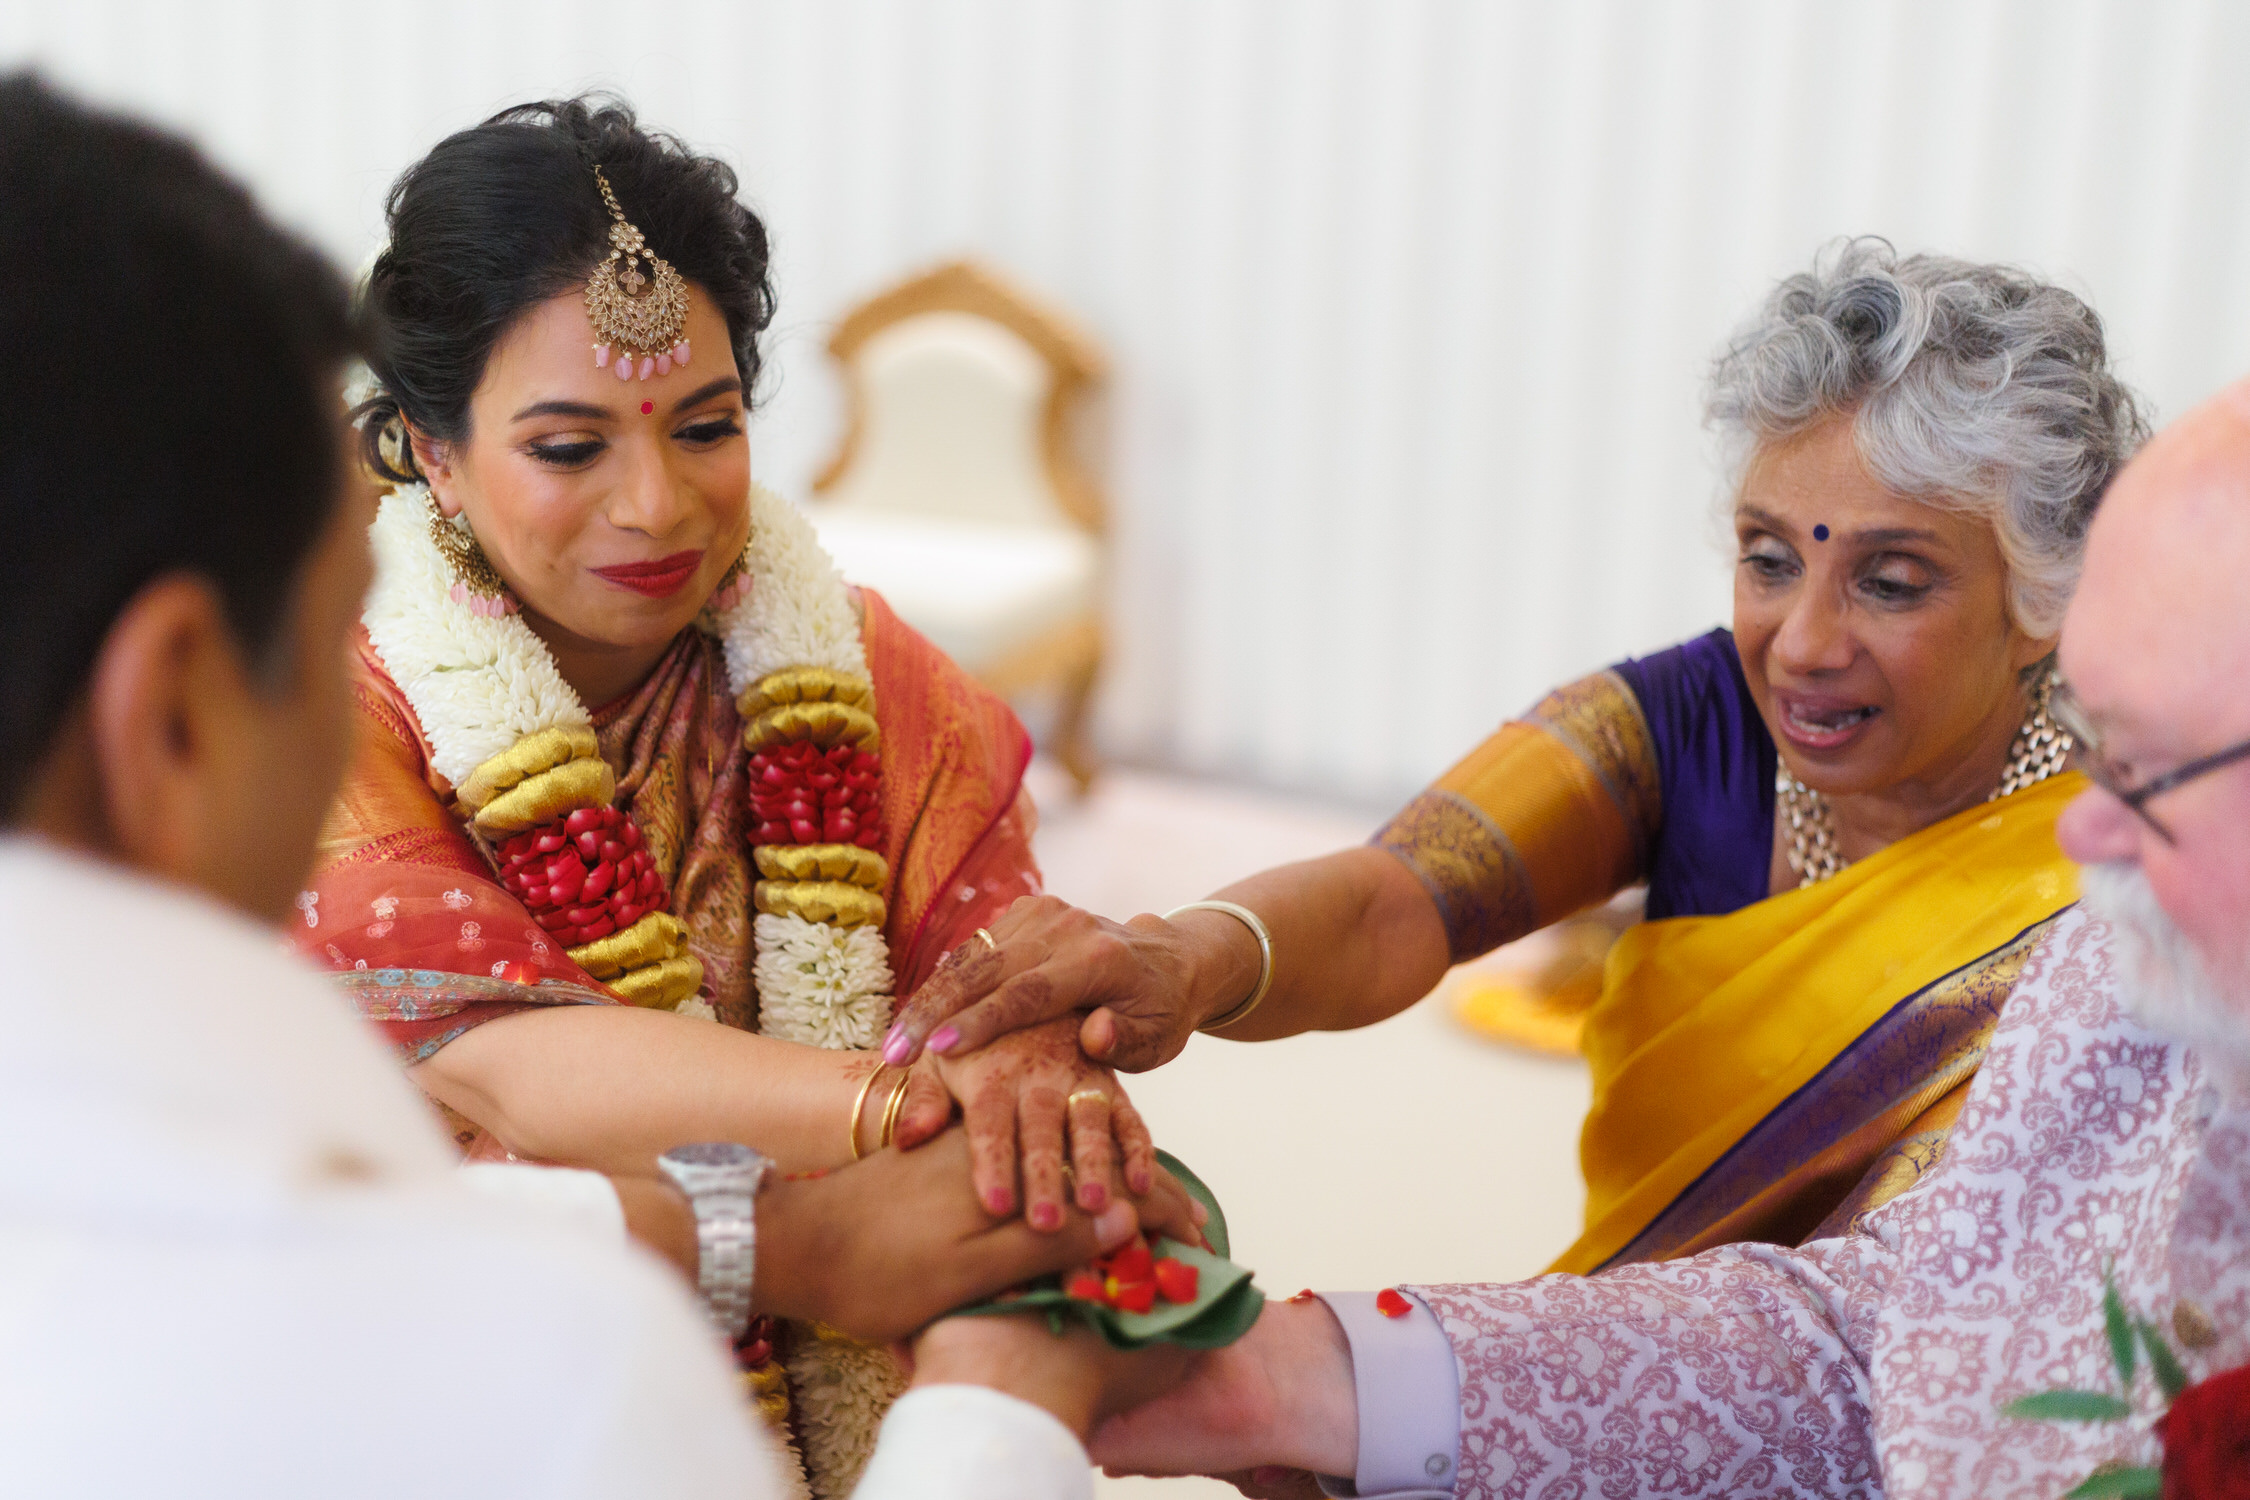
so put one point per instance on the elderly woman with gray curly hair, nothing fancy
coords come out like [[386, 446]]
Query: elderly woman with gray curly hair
[[1843, 808]]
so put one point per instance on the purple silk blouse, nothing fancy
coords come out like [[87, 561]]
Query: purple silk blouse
[[1713, 852]]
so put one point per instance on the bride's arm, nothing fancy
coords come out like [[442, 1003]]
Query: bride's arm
[[611, 1087]]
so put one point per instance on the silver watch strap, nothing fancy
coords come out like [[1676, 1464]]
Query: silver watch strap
[[721, 1184]]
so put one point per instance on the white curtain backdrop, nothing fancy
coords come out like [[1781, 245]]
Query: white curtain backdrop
[[1409, 301]]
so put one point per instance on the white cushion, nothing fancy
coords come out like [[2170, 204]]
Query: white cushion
[[952, 411], [979, 591]]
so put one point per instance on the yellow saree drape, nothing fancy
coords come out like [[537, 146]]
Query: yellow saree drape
[[1742, 1057]]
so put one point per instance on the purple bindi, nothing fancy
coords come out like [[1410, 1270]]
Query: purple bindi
[[1820, 533]]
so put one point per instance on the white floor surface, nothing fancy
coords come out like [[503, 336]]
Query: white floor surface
[[1409, 1151]]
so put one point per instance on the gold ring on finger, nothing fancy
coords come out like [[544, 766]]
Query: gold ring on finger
[[985, 938], [1087, 1094]]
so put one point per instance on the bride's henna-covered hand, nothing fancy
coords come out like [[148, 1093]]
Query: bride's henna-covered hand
[[1148, 983], [1028, 1097]]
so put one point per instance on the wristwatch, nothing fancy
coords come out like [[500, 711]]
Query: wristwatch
[[721, 1181]]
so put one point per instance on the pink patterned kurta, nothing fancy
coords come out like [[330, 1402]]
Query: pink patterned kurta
[[1877, 1363]]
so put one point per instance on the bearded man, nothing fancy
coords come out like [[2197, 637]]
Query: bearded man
[[2106, 1135]]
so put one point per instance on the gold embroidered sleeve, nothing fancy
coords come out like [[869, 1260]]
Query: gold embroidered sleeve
[[1552, 814]]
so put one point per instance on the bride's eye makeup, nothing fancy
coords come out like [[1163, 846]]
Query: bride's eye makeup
[[569, 452], [704, 431]]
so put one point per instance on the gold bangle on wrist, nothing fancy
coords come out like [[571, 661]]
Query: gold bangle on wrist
[[859, 1102], [891, 1109], [1249, 919]]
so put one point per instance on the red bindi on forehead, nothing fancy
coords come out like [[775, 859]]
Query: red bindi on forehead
[[647, 407]]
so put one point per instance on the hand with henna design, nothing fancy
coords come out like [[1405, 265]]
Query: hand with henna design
[[1034, 1098]]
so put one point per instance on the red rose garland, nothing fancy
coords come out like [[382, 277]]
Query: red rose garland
[[802, 794], [583, 876]]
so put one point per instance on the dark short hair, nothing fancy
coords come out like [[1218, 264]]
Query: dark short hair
[[169, 367], [502, 217]]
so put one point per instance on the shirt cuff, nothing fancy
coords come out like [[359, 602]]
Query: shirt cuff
[[1409, 1394], [964, 1442]]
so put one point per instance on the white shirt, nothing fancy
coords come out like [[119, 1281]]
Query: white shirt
[[236, 1259]]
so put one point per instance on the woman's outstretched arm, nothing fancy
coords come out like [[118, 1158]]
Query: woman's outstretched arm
[[612, 1087], [1356, 938]]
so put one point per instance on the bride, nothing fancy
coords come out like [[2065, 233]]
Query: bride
[[652, 815]]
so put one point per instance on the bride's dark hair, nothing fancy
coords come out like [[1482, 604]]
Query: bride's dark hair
[[499, 218]]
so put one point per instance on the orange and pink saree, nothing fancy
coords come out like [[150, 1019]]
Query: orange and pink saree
[[407, 910]]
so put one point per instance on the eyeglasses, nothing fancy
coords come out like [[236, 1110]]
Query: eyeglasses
[[2072, 716]]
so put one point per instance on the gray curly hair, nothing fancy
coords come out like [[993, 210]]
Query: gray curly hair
[[1977, 388]]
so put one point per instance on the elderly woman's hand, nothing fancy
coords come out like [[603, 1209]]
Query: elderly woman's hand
[[1148, 983], [1033, 1098]]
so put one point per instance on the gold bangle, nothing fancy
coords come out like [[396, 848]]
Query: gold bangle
[[890, 1110], [859, 1102], [1249, 919]]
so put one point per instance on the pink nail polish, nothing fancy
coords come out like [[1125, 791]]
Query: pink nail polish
[[945, 1039], [997, 1202], [1092, 1196], [896, 1046], [1046, 1216]]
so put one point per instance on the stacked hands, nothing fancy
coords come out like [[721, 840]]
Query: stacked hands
[[1012, 1028], [1133, 992], [1033, 1102]]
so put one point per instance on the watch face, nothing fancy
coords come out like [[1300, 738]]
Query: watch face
[[712, 1154]]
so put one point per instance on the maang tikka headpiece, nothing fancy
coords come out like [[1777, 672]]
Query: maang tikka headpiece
[[643, 318]]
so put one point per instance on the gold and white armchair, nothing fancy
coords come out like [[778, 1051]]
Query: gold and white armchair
[[960, 491]]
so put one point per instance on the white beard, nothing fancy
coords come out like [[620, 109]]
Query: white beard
[[2167, 986]]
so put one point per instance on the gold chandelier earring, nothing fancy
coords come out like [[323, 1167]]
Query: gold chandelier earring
[[476, 582], [734, 585]]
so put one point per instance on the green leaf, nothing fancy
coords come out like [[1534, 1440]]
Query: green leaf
[[1227, 1302], [2120, 1329], [1215, 1230], [2067, 1406], [2168, 1373], [2119, 1482]]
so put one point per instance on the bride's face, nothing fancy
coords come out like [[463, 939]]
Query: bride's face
[[1874, 629], [612, 507]]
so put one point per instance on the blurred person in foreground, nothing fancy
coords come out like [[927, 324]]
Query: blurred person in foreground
[[1843, 808], [239, 1257], [2106, 1136]]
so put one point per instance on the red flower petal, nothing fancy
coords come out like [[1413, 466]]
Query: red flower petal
[[1176, 1279]]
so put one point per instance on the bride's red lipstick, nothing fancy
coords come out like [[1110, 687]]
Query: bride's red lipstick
[[657, 580]]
